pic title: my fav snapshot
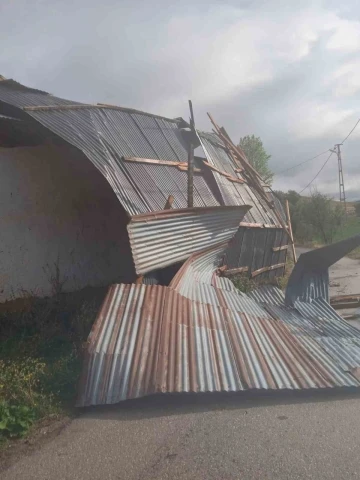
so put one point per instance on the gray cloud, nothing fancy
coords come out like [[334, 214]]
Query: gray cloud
[[285, 72]]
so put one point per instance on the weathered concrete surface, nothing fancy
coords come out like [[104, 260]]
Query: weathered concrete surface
[[209, 436]]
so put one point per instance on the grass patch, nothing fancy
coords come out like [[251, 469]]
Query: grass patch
[[348, 229], [40, 356]]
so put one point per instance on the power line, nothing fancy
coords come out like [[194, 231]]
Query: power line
[[308, 185], [326, 161], [302, 163], [351, 131]]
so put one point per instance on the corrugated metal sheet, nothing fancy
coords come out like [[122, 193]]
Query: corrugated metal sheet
[[105, 135], [196, 337], [310, 276], [157, 182], [268, 294], [20, 96], [252, 247], [150, 339], [163, 238]]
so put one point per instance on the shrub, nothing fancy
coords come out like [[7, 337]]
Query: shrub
[[40, 356], [15, 420]]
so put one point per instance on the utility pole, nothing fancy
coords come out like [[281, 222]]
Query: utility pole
[[341, 176]]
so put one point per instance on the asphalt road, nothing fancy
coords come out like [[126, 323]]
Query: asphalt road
[[208, 437]]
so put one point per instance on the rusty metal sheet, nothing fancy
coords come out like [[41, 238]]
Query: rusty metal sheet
[[162, 238], [150, 339]]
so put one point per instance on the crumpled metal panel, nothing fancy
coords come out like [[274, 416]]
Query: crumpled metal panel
[[196, 337], [310, 277], [267, 294], [166, 237], [150, 339]]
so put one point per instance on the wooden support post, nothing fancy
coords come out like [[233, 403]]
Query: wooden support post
[[290, 230], [169, 202], [191, 161]]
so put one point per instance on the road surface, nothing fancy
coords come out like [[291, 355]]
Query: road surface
[[220, 437]]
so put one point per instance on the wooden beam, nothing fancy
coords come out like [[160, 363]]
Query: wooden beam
[[279, 249], [153, 161], [225, 174], [139, 279], [259, 225], [267, 269], [183, 166], [345, 301], [235, 271], [251, 225]]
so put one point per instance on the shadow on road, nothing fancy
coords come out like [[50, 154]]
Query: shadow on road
[[164, 405]]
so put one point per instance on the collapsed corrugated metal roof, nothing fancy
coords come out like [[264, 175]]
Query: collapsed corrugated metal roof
[[144, 159], [199, 335]]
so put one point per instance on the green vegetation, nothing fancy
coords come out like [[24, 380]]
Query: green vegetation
[[349, 228], [315, 219], [257, 156], [40, 356], [318, 220], [243, 283]]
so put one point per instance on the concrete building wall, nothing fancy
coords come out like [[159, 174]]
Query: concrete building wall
[[60, 224]]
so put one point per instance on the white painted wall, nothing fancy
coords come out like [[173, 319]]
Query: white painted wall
[[57, 209]]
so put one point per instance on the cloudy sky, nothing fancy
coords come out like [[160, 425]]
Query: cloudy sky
[[286, 71]]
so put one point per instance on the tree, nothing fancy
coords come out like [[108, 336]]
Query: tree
[[257, 156], [320, 212]]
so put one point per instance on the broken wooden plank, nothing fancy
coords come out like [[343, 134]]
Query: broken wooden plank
[[267, 269], [251, 225], [234, 271], [153, 161], [225, 174], [345, 301]]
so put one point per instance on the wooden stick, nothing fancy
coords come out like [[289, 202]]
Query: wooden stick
[[267, 269], [234, 271], [288, 218]]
